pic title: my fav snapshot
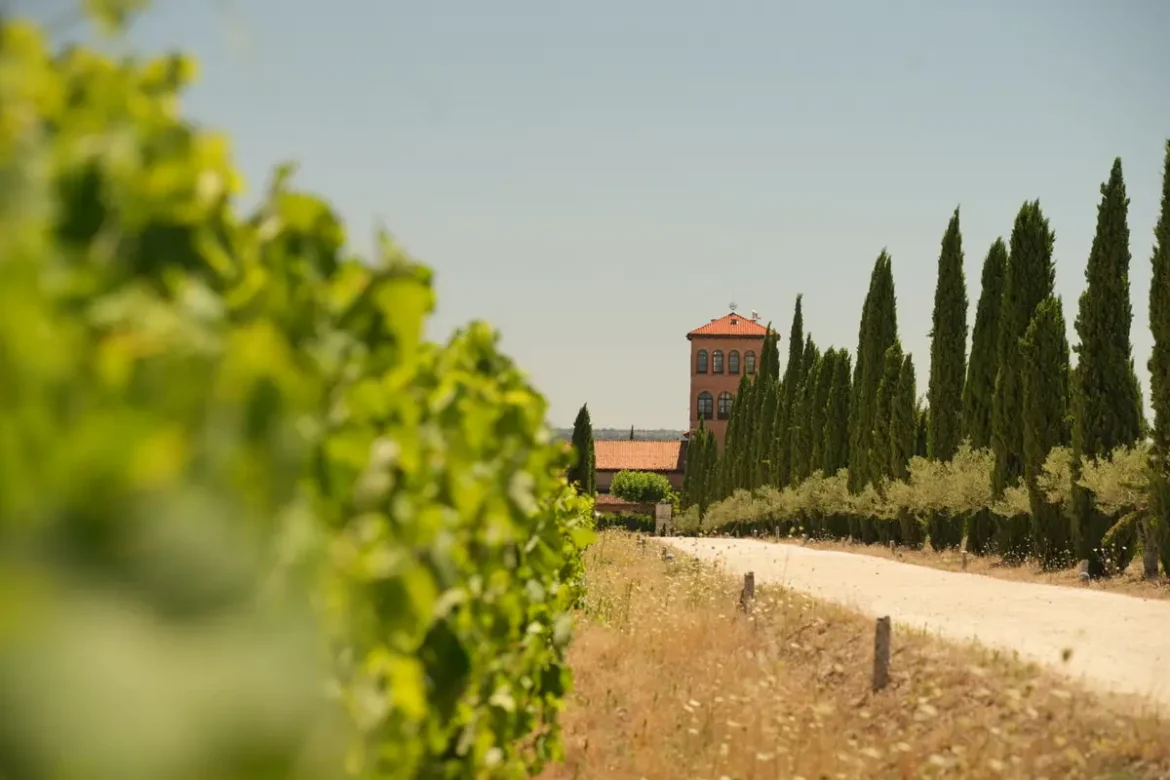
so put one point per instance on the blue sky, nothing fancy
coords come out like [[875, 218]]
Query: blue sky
[[597, 178]]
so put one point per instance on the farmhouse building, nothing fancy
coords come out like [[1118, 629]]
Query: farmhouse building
[[660, 457]]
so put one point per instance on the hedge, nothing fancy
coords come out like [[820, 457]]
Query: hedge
[[940, 503]]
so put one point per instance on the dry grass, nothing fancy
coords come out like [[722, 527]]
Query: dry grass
[[1129, 582], [672, 683]]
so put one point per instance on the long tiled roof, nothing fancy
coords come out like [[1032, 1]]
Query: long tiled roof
[[617, 455], [732, 324]]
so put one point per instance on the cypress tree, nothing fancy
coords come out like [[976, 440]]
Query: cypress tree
[[700, 471], [1107, 398], [791, 385], [878, 332], [733, 463], [769, 363], [631, 433], [825, 371], [923, 417], [979, 389], [1044, 379], [904, 420], [880, 460], [835, 451], [739, 434], [753, 396], [1028, 281], [583, 473], [766, 435], [802, 439], [948, 348], [1157, 528]]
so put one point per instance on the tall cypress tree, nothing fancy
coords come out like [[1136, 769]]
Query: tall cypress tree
[[700, 470], [766, 436], [903, 420], [1106, 395], [769, 363], [1157, 527], [835, 450], [743, 456], [733, 464], [825, 371], [802, 440], [1044, 379], [1028, 281], [1107, 398], [791, 388], [948, 348], [583, 473], [923, 417], [878, 332], [883, 413], [979, 389]]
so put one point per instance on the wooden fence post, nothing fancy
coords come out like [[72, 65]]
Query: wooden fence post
[[964, 560], [748, 593], [881, 653]]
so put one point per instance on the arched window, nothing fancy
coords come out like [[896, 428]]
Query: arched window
[[706, 406], [733, 362], [724, 405], [717, 362], [749, 362], [701, 362]]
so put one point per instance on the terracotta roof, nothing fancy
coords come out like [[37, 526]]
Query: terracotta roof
[[733, 324], [619, 454]]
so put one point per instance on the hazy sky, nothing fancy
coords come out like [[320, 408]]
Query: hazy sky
[[597, 178]]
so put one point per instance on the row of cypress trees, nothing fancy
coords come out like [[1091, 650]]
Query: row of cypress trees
[[1017, 395]]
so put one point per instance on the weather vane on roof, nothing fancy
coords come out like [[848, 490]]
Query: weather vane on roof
[[732, 306]]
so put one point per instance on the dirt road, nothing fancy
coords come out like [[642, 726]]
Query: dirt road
[[1118, 643]]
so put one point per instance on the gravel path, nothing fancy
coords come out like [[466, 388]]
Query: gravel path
[[1119, 643]]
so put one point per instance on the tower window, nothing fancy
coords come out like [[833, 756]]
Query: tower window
[[724, 405], [701, 362], [706, 406], [749, 362], [717, 362], [733, 362]]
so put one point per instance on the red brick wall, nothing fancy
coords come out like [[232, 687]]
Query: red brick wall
[[714, 383]]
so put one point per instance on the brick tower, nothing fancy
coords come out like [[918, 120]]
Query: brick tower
[[721, 351]]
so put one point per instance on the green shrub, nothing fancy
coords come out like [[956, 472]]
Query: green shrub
[[641, 487], [233, 475]]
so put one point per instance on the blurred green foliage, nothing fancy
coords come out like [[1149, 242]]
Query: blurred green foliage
[[252, 524]]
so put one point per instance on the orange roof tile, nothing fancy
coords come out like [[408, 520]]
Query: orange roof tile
[[733, 324], [619, 454]]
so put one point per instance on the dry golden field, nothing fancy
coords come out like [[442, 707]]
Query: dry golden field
[[672, 682]]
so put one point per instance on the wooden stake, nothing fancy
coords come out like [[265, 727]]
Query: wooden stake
[[964, 560], [748, 593], [881, 653]]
